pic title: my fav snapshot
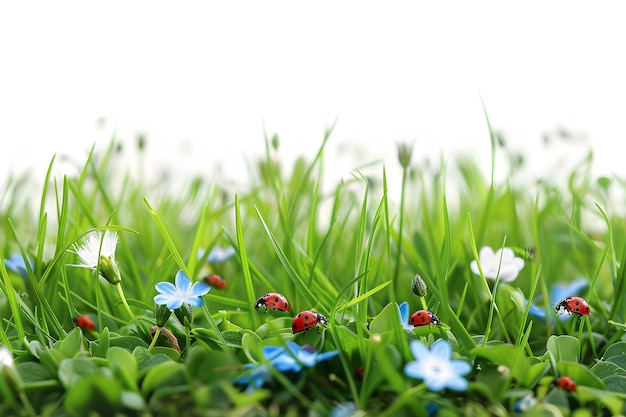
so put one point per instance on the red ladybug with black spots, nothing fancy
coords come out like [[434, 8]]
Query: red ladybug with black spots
[[215, 281], [84, 322], [306, 320], [423, 317], [273, 300], [566, 383], [571, 305]]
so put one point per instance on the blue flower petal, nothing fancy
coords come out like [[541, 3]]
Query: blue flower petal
[[219, 255], [461, 367], [327, 355], [404, 316], [270, 352], [182, 282], [198, 289], [560, 291], [413, 370], [457, 383], [195, 302], [166, 288], [418, 349], [442, 349]]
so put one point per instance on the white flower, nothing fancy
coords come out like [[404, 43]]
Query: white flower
[[174, 296], [435, 366], [100, 250], [502, 263], [6, 358]]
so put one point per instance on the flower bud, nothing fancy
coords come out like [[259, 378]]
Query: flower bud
[[162, 314], [184, 311], [418, 286], [109, 269], [404, 154]]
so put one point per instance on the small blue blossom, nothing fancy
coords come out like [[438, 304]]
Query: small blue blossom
[[436, 367], [557, 293], [16, 264], [294, 357], [525, 403], [343, 410], [182, 292], [257, 376], [283, 359], [219, 255], [404, 316]]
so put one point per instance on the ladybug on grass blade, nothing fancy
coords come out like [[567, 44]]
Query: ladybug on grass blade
[[566, 383], [423, 317], [571, 305], [273, 300], [305, 320], [215, 281], [84, 322]]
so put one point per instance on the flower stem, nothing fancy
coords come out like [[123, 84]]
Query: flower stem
[[154, 339], [121, 292]]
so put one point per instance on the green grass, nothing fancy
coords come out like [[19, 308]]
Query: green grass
[[348, 251]]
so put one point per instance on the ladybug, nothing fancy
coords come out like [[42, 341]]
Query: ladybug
[[272, 300], [215, 281], [423, 317], [305, 320], [566, 383], [84, 322], [573, 305]]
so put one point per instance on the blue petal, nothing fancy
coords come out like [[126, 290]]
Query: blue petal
[[327, 355], [538, 312], [414, 370], [218, 255], [456, 383], [560, 291], [419, 350], [198, 289], [404, 316], [460, 367], [195, 302], [171, 302], [270, 352], [163, 299], [166, 288], [182, 282], [441, 349]]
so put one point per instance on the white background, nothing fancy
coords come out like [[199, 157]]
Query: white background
[[204, 80]]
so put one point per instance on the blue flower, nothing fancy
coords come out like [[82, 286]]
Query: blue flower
[[16, 264], [343, 410], [294, 357], [404, 316], [219, 255], [557, 293], [436, 367], [525, 403], [183, 292], [283, 359], [257, 376]]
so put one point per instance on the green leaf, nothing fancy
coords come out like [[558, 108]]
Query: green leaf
[[562, 348], [124, 367], [513, 357], [166, 374], [617, 349], [72, 371], [33, 372], [72, 343], [95, 395], [103, 344], [580, 374], [604, 369]]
